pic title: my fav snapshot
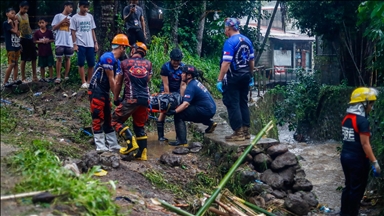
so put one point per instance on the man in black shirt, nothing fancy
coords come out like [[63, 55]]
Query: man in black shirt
[[134, 22]]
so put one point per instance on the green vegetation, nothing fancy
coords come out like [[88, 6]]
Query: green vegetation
[[42, 170]]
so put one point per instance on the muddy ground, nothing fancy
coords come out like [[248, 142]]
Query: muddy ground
[[59, 119]]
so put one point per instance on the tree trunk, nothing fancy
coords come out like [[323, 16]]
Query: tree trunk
[[147, 32], [200, 30], [175, 26], [105, 24], [267, 33]]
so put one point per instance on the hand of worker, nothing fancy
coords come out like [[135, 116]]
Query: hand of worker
[[376, 165], [219, 86], [252, 82], [117, 102], [171, 112]]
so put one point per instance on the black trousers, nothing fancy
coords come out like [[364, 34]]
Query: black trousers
[[135, 35], [356, 170], [190, 114], [235, 98]]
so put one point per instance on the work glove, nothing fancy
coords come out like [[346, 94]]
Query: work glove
[[252, 82], [171, 112], [117, 102], [376, 168], [219, 86]]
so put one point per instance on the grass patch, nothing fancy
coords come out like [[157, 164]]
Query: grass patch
[[42, 170]]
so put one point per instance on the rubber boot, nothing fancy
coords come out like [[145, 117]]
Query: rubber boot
[[142, 153], [238, 135], [129, 139], [181, 133], [112, 142], [100, 142], [246, 133], [211, 127], [160, 131]]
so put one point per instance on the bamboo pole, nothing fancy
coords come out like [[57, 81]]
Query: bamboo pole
[[252, 206], [238, 162], [28, 194], [174, 208]]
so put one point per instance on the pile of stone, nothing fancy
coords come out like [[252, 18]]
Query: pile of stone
[[106, 160], [276, 175]]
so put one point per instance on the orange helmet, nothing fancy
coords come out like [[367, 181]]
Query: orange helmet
[[120, 39], [142, 46]]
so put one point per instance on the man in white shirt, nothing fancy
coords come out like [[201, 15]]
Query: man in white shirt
[[63, 40], [84, 41]]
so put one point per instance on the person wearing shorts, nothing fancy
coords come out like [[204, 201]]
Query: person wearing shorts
[[63, 40], [84, 41], [28, 52], [12, 45], [43, 38]]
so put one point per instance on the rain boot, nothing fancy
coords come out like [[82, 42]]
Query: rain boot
[[142, 153], [112, 141], [246, 133], [238, 135], [211, 127], [129, 139], [100, 142], [181, 133], [160, 131]]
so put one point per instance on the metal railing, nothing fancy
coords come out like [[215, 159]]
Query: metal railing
[[267, 78]]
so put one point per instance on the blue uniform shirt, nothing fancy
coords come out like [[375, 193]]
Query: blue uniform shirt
[[197, 95], [100, 79], [174, 77], [238, 50]]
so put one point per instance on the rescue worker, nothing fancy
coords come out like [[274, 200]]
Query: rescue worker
[[236, 69], [198, 106], [136, 73], [171, 81], [356, 151], [102, 81]]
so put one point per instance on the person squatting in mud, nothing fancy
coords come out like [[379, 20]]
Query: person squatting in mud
[[136, 73], [356, 151], [198, 106], [102, 81], [171, 82]]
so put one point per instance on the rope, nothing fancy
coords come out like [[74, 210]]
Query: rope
[[164, 9]]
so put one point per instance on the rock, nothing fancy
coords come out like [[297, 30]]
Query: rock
[[195, 150], [180, 150], [258, 188], [91, 159], [310, 198], [246, 176], [248, 158], [262, 162], [128, 157], [296, 204], [110, 159], [258, 201], [265, 143], [195, 145], [44, 197], [279, 194], [256, 151], [287, 175], [300, 173], [170, 160], [268, 197], [272, 179], [277, 150], [281, 161], [302, 184]]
